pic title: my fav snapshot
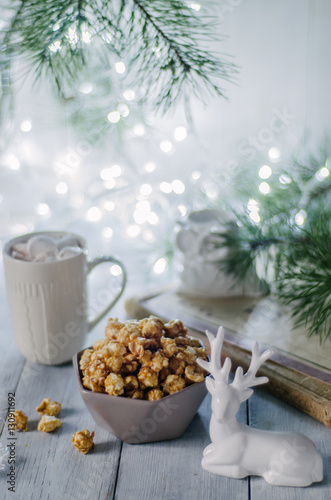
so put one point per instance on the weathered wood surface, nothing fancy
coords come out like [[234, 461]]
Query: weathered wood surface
[[49, 468]]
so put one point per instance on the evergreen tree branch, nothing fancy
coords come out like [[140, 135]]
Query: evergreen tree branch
[[162, 42]]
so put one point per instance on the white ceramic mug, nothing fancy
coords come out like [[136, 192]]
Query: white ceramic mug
[[48, 301]]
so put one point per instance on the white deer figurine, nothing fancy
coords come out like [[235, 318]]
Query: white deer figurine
[[237, 450]]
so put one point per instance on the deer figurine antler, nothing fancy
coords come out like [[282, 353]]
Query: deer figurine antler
[[237, 450]]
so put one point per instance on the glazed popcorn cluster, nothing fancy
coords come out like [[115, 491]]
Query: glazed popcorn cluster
[[144, 359], [48, 409]]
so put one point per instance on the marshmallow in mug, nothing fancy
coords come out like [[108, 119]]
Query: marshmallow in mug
[[42, 248]]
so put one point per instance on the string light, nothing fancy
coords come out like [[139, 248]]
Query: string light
[[129, 95], [142, 212], [12, 162], [196, 175], [274, 154], [255, 216], [120, 67], [72, 35], [93, 214], [86, 88], [114, 116], [77, 200], [300, 217], [166, 146], [178, 186], [165, 187], [195, 6], [252, 205], [107, 233], [86, 36], [265, 172], [55, 46], [182, 209], [42, 209], [26, 126], [115, 270], [123, 110], [146, 189], [150, 167], [108, 173], [210, 190], [180, 134], [322, 174], [110, 184], [160, 265], [285, 179], [133, 230], [153, 219], [139, 129], [109, 205], [264, 188], [61, 187], [148, 235]]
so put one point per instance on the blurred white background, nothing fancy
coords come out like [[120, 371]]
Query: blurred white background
[[126, 193]]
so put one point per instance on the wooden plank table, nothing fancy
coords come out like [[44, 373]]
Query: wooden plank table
[[48, 466]]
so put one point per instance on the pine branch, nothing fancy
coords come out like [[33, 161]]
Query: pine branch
[[161, 42], [304, 280]]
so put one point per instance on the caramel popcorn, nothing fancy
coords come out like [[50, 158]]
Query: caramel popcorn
[[21, 421], [136, 394], [49, 407], [115, 363], [113, 328], [49, 423], [193, 373], [85, 359], [147, 378], [169, 346], [152, 327], [175, 328], [83, 441], [114, 384], [113, 348], [128, 333], [131, 383], [154, 394], [139, 358], [89, 384], [177, 364], [173, 383], [99, 344]]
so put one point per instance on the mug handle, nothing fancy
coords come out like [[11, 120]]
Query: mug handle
[[91, 265]]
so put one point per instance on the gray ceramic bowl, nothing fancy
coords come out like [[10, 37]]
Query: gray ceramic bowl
[[138, 421]]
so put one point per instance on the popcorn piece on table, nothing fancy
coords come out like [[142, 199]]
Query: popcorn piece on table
[[49, 407], [21, 421], [83, 441], [48, 423]]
